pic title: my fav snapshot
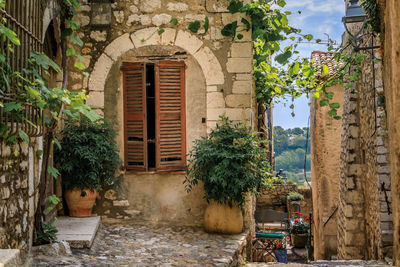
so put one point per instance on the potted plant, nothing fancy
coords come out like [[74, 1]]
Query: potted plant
[[299, 231], [229, 162], [279, 249], [88, 160]]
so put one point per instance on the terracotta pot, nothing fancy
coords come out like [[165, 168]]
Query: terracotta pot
[[299, 240], [220, 218], [80, 202]]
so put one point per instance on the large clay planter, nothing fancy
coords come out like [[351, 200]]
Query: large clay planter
[[220, 218], [299, 240], [80, 202]]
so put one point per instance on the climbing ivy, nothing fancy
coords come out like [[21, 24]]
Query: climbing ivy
[[371, 8]]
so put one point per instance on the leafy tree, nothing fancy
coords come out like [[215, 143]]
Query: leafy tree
[[281, 140]]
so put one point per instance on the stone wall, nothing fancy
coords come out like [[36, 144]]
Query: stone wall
[[277, 193], [325, 155], [306, 205], [20, 168], [364, 212], [19, 176], [391, 49], [218, 81]]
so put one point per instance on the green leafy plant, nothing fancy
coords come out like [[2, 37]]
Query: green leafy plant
[[47, 234], [88, 157], [229, 161], [290, 181], [295, 196], [299, 226]]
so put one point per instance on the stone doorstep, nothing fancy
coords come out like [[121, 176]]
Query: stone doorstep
[[9, 258], [78, 232]]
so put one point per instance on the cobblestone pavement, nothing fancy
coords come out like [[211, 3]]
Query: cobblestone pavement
[[144, 245]]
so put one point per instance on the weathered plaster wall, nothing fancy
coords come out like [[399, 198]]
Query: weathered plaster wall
[[218, 81], [325, 162], [19, 175], [391, 11]]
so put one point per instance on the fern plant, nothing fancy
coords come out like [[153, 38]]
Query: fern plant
[[88, 156], [230, 161]]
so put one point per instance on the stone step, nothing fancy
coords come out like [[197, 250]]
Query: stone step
[[337, 263], [10, 258], [78, 232], [348, 263]]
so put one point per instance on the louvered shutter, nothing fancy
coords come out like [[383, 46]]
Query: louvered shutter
[[170, 121], [134, 76]]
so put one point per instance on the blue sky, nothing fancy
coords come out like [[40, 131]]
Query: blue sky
[[317, 17]]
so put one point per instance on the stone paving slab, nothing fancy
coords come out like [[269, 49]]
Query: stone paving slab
[[132, 244], [9, 257], [338, 263], [78, 232]]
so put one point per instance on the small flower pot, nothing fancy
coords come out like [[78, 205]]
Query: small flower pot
[[299, 240], [281, 255], [80, 202]]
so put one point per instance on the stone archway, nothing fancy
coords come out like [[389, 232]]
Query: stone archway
[[208, 62]]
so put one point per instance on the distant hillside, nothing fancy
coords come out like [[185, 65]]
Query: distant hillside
[[290, 147]]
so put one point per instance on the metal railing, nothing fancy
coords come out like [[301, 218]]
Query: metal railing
[[25, 18]]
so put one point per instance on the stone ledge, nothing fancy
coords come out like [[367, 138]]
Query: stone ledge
[[9, 257], [78, 232]]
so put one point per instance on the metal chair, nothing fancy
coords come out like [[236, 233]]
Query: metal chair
[[266, 216]]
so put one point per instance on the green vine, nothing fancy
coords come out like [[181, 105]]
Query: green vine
[[371, 8]]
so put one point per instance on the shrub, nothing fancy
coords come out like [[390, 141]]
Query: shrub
[[295, 196], [229, 161], [88, 157]]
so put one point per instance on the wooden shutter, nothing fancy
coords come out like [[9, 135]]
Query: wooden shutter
[[170, 119], [135, 137]]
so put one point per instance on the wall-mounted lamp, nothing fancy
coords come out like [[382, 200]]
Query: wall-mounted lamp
[[355, 14]]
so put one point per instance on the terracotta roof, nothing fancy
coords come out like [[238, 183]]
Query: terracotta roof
[[325, 58]]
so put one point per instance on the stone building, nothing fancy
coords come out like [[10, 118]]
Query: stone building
[[20, 165], [390, 17], [137, 51], [325, 162], [365, 206]]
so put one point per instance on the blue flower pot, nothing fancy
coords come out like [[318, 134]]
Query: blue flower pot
[[281, 255]]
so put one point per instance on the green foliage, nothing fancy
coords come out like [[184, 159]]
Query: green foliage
[[299, 228], [206, 25], [371, 8], [47, 234], [229, 161], [89, 156], [290, 140], [295, 196], [290, 181], [194, 26], [174, 21]]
